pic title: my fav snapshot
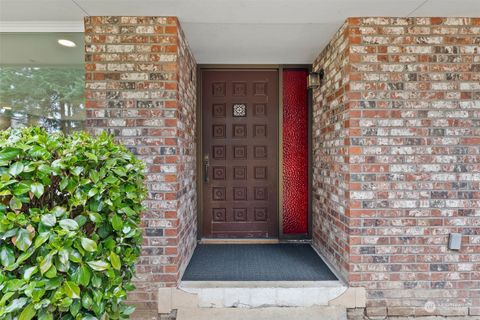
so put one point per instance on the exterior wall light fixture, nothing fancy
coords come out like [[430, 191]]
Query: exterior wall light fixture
[[315, 79]]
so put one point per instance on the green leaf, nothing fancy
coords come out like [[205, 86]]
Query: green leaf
[[94, 176], [115, 260], [84, 275], [49, 220], [95, 217], [92, 192], [24, 239], [28, 313], [4, 184], [65, 303], [81, 220], [37, 189], [77, 170], [46, 263], [68, 224], [75, 307], [89, 245], [59, 211], [96, 281], [15, 203], [29, 272], [110, 180], [16, 304], [63, 256], [54, 283], [87, 301], [29, 168], [128, 211], [38, 152], [91, 156], [6, 298], [5, 192], [10, 233], [16, 168], [9, 153], [21, 188], [117, 222], [75, 256], [51, 273], [120, 171], [44, 315], [98, 265], [40, 239], [7, 256], [128, 310], [24, 256], [109, 243], [71, 290], [63, 183], [37, 294]]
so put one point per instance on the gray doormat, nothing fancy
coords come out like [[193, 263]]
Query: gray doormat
[[257, 262]]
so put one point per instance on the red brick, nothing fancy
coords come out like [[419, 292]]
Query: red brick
[[396, 110], [154, 42]]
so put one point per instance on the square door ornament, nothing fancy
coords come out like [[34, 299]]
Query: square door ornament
[[260, 110], [240, 152], [239, 110], [239, 214], [218, 89], [218, 193], [219, 214], [239, 173], [240, 193], [219, 110]]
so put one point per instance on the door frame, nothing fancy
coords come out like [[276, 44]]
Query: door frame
[[199, 151]]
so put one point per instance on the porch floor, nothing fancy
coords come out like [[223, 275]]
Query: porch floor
[[257, 262]]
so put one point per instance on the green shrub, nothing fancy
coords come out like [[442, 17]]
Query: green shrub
[[69, 225]]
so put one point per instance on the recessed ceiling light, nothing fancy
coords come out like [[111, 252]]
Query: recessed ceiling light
[[66, 43]]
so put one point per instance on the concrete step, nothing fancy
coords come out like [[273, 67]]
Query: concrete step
[[273, 313], [255, 294], [259, 295]]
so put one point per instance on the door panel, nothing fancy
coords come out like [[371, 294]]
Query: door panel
[[240, 153]]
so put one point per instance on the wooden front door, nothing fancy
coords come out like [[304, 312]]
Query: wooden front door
[[240, 153]]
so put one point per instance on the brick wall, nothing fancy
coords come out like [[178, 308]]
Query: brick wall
[[330, 156], [187, 170], [139, 87], [413, 136]]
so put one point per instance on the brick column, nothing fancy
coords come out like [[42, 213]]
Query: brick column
[[397, 133], [330, 153], [140, 86]]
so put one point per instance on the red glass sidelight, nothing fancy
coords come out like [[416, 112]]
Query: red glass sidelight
[[295, 151]]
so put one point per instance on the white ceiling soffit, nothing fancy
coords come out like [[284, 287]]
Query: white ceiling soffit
[[227, 31]]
